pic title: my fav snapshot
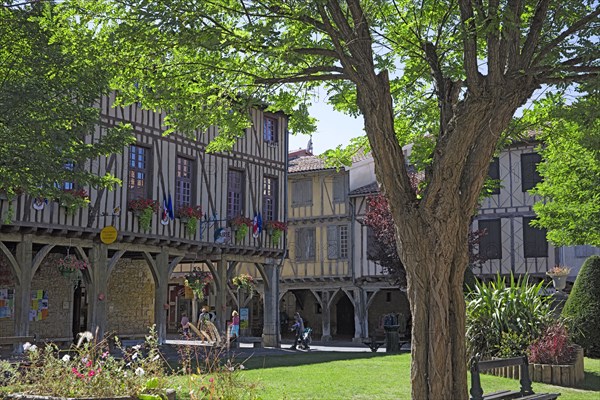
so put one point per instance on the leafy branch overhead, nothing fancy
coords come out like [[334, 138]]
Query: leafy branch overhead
[[52, 74]]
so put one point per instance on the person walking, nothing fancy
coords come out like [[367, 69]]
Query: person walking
[[298, 328], [185, 325]]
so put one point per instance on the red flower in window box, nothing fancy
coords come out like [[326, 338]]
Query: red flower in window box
[[276, 225], [143, 204], [190, 212]]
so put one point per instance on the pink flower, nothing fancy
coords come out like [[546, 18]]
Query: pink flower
[[211, 380]]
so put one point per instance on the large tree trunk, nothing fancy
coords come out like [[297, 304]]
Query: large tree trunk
[[435, 267], [432, 232]]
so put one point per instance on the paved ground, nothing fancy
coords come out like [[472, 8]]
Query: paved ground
[[171, 346]]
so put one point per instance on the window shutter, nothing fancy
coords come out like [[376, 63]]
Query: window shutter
[[490, 245], [529, 174], [534, 240], [332, 242]]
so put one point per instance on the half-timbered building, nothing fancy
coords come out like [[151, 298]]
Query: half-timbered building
[[511, 244], [327, 276], [134, 264]]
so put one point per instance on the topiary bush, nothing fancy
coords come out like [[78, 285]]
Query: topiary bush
[[582, 309]]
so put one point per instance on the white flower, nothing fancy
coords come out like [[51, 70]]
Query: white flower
[[139, 371], [31, 347], [66, 358], [26, 346], [156, 357], [137, 347], [242, 366], [134, 356], [231, 369]]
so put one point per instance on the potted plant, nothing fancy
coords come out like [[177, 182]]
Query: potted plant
[[276, 229], [198, 281], [243, 281], [189, 216], [72, 199], [144, 209], [559, 275], [70, 264], [241, 226]]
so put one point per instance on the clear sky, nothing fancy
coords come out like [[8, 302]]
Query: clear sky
[[333, 129]]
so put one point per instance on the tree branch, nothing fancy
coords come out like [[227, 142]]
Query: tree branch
[[570, 78], [570, 31], [317, 52], [302, 78], [495, 68], [469, 44], [535, 30]]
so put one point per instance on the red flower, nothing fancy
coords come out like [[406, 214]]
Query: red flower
[[280, 226], [142, 204], [239, 221], [190, 212]]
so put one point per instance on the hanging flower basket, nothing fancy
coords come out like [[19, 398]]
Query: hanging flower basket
[[71, 265], [144, 209], [241, 227], [275, 230], [244, 282], [190, 216], [198, 281]]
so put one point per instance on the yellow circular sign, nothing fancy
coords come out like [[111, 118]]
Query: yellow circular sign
[[108, 234]]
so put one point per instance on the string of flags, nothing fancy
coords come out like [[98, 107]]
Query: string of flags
[[256, 225]]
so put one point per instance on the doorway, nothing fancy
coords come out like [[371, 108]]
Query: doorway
[[345, 317]]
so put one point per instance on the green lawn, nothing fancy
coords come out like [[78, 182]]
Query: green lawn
[[369, 376]]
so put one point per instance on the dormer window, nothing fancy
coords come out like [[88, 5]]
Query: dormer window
[[270, 130]]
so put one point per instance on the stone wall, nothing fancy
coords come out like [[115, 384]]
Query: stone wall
[[7, 281], [60, 300], [130, 298]]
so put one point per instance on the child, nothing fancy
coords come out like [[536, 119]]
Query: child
[[185, 324], [234, 326]]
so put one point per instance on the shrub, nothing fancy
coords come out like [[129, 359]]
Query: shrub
[[89, 370], [582, 309], [554, 347], [497, 308]]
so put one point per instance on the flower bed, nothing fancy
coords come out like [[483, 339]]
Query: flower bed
[[562, 375]]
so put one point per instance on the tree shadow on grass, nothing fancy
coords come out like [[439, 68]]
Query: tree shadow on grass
[[590, 382], [304, 358]]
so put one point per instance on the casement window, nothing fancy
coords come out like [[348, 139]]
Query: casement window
[[529, 174], [183, 182], [138, 182], [270, 188], [490, 244], [67, 185], [374, 246], [302, 192], [494, 173], [337, 242], [305, 244], [339, 189], [270, 133], [534, 240], [235, 193]]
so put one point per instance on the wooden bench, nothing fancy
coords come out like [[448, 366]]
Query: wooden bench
[[256, 341], [525, 392]]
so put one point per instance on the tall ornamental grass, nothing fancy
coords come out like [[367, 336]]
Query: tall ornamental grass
[[504, 318]]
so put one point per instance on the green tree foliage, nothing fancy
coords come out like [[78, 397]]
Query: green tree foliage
[[446, 75], [582, 309], [570, 208], [52, 72]]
